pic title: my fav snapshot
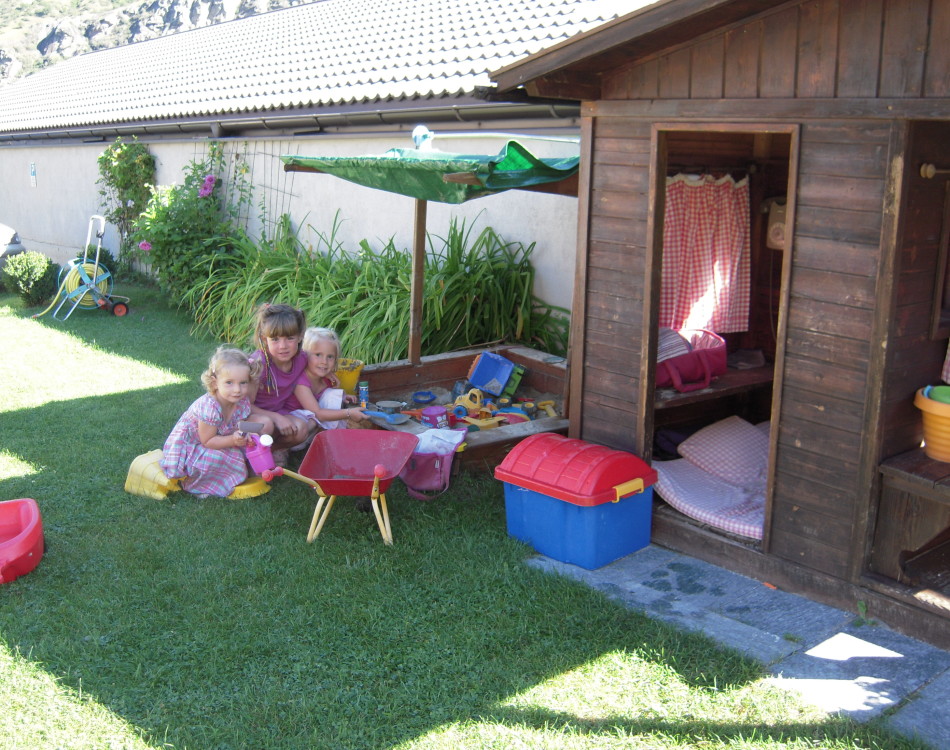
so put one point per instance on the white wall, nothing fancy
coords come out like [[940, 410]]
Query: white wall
[[52, 217], [51, 213]]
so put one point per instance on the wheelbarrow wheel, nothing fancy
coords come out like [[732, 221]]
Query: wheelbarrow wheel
[[120, 309]]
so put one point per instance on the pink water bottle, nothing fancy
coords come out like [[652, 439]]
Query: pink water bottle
[[259, 454]]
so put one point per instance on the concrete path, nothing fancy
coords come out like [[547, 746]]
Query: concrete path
[[827, 655]]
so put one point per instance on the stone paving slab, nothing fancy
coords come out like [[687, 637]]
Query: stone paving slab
[[861, 670], [679, 598], [927, 714], [830, 657], [736, 610]]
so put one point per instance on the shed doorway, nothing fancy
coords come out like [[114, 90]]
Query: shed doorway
[[713, 445]]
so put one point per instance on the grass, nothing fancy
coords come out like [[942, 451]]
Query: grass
[[213, 624]]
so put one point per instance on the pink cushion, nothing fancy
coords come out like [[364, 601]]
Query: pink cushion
[[732, 449], [700, 495]]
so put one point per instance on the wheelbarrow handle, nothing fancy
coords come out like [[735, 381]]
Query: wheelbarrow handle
[[279, 471], [302, 478]]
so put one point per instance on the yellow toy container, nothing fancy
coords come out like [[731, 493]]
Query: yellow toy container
[[348, 372], [146, 478]]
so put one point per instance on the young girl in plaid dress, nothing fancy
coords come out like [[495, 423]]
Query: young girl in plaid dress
[[205, 447]]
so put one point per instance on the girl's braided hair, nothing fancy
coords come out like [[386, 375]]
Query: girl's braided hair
[[274, 321]]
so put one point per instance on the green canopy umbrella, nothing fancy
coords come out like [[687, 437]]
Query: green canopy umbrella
[[429, 175], [439, 176]]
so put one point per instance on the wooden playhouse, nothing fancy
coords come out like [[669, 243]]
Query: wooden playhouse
[[838, 112]]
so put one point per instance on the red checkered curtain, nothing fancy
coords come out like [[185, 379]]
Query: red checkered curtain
[[706, 254]]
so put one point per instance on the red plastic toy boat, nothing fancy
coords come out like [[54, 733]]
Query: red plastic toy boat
[[21, 538]]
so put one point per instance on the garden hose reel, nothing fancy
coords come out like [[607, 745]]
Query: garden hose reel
[[86, 283]]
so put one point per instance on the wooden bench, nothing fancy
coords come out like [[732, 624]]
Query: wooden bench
[[913, 513], [914, 472]]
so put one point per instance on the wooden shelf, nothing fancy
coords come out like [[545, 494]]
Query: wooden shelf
[[731, 383]]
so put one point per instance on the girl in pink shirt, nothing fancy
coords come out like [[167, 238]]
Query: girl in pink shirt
[[330, 406], [205, 448], [279, 333]]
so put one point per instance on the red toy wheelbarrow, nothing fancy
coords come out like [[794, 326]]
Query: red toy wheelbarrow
[[352, 463]]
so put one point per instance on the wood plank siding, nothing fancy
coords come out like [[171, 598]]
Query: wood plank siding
[[831, 105], [810, 50], [616, 269], [832, 430]]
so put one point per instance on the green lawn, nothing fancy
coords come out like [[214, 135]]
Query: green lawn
[[200, 624]]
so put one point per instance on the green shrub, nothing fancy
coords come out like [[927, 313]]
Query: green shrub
[[126, 173], [31, 276], [184, 227]]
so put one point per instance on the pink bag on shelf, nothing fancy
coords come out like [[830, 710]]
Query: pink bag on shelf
[[696, 368]]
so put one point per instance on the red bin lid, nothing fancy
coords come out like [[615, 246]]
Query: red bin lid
[[574, 470]]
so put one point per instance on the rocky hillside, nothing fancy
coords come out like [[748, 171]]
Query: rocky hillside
[[37, 33]]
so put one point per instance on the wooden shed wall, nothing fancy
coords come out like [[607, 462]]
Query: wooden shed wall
[[830, 324], [616, 278], [781, 67], [915, 356], [850, 49]]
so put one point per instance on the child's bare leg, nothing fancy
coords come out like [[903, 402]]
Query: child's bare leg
[[302, 430], [268, 423], [265, 419]]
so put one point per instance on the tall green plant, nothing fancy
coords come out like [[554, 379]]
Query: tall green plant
[[477, 290], [184, 226], [126, 174]]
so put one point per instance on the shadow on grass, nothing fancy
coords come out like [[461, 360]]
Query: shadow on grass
[[153, 332], [668, 733], [214, 624]]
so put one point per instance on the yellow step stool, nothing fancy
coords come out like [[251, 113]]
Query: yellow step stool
[[147, 479]]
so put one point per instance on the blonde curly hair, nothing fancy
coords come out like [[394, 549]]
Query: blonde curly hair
[[226, 357]]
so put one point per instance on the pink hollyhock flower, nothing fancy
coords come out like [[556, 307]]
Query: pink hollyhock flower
[[205, 190], [145, 246]]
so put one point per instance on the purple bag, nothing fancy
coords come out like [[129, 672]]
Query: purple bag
[[426, 475]]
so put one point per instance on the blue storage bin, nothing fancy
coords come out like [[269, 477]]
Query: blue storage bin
[[575, 501]]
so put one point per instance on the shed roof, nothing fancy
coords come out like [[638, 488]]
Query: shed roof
[[571, 67], [333, 55]]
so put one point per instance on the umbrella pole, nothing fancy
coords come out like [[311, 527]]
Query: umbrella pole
[[415, 290]]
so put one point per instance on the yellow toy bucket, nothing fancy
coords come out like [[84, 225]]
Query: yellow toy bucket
[[348, 373]]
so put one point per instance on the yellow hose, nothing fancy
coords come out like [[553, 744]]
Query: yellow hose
[[74, 280]]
